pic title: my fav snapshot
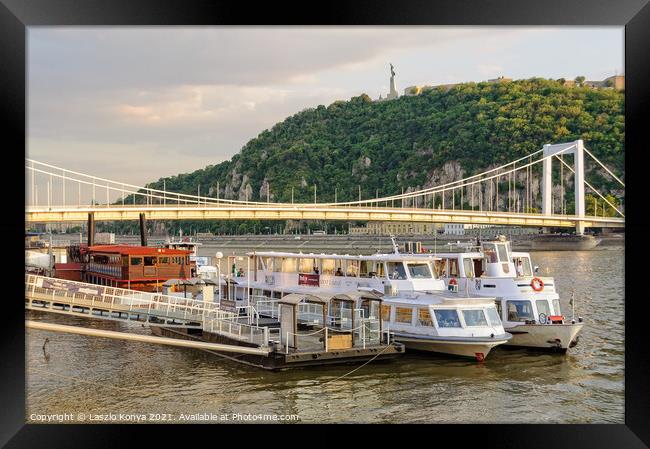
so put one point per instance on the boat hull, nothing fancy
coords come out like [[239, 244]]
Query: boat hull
[[564, 243], [476, 349], [544, 336]]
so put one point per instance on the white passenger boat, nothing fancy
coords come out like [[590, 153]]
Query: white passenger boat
[[529, 305], [445, 322], [416, 306]]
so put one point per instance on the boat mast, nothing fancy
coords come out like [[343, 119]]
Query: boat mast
[[395, 248]]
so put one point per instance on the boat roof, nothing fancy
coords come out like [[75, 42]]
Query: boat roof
[[385, 256], [182, 242], [138, 250], [438, 298], [295, 298]]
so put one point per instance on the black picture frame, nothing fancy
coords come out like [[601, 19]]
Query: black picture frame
[[16, 15]]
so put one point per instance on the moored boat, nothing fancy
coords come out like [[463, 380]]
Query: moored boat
[[416, 306], [528, 304]]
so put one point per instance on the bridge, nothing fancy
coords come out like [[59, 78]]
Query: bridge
[[499, 196]]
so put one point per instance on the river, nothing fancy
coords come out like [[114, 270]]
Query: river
[[101, 380]]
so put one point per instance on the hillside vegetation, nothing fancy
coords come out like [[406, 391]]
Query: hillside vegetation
[[390, 146]]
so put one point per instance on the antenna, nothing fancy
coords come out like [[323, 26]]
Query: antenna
[[395, 248]]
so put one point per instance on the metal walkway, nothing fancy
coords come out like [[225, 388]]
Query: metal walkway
[[111, 303]]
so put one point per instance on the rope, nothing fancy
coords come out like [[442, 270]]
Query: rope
[[357, 368]]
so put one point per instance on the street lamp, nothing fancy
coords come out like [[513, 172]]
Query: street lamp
[[219, 256]]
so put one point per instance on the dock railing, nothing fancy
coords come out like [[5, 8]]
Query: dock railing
[[46, 292], [232, 328], [266, 306]]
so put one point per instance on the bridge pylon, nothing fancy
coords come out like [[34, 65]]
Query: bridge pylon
[[577, 149]]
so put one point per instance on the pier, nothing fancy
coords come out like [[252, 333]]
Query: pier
[[272, 339]]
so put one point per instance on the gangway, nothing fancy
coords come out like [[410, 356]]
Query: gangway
[[111, 303]]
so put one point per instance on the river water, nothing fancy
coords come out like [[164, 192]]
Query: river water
[[100, 380]]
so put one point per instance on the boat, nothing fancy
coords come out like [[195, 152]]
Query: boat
[[133, 267], [437, 321], [564, 242], [445, 323], [528, 304]]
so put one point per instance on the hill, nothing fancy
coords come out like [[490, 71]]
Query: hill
[[417, 141], [393, 145]]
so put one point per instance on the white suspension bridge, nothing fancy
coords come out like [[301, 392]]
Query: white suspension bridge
[[495, 197]]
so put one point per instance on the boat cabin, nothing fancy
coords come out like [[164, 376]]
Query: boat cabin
[[387, 273], [135, 267]]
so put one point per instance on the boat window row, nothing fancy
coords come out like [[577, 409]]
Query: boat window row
[[521, 311], [444, 318], [346, 267], [149, 261], [475, 267]]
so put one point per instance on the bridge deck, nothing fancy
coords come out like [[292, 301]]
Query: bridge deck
[[311, 212]]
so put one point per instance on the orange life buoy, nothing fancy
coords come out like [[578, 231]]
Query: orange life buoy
[[537, 284]]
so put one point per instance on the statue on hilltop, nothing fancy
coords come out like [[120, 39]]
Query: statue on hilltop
[[393, 87]]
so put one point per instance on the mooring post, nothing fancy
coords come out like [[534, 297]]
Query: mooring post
[[91, 229], [143, 230]]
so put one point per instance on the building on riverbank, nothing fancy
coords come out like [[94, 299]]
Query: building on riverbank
[[393, 228]]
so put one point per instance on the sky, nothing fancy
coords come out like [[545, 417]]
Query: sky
[[134, 104]]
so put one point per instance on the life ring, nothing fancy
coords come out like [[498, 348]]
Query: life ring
[[453, 281], [537, 284]]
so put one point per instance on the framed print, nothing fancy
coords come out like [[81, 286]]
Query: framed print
[[351, 214]]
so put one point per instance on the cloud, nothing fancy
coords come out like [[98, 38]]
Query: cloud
[[170, 98]]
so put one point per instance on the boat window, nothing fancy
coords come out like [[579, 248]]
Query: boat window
[[419, 270], [522, 265], [366, 268], [289, 265], [328, 266], [424, 317], [520, 311], [381, 270], [447, 318], [125, 261], [277, 265], [490, 252], [396, 270], [164, 260], [499, 309], [439, 268], [503, 252], [468, 266], [306, 265], [136, 260], [528, 271], [478, 267], [452, 268], [474, 317], [385, 312], [493, 316], [543, 307], [556, 307], [339, 263], [353, 268], [404, 315]]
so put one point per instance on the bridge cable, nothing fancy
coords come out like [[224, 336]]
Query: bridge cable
[[594, 189]]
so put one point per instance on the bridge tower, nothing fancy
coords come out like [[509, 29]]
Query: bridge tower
[[577, 149]]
